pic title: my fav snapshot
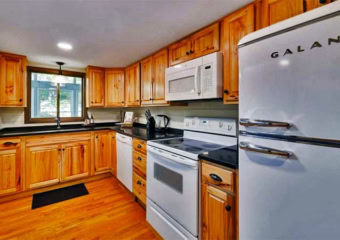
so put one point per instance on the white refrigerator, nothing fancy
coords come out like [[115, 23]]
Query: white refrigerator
[[289, 143]]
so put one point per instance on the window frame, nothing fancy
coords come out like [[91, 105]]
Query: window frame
[[28, 117]]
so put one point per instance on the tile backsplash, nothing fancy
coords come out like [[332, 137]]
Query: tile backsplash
[[11, 117]]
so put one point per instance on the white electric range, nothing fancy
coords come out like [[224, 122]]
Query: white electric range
[[173, 175]]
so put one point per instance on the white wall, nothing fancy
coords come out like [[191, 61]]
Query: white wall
[[12, 117]]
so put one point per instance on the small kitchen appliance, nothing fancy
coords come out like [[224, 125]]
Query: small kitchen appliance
[[162, 122]]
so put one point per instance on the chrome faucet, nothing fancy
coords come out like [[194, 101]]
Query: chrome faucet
[[58, 122]]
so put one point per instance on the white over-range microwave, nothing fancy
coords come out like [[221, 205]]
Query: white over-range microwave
[[200, 78]]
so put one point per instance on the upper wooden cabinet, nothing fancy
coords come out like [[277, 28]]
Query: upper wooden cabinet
[[274, 11], [201, 43], [132, 86], [114, 88], [234, 27], [311, 4], [95, 78], [153, 78], [10, 166], [12, 80]]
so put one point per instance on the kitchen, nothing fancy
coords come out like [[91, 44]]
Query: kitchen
[[207, 129]]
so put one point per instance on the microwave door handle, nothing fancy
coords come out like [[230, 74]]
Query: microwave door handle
[[198, 80]]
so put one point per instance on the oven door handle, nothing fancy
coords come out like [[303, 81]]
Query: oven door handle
[[173, 157]]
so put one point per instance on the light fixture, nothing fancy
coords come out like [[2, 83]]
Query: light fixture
[[60, 79], [64, 46]]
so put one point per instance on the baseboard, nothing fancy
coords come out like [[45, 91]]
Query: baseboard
[[158, 236], [53, 187]]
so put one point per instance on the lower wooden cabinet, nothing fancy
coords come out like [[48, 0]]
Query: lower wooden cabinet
[[218, 203], [113, 153], [139, 187], [139, 169], [102, 157], [75, 160], [42, 165], [10, 166]]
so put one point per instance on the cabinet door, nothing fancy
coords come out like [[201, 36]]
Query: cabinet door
[[206, 41], [42, 166], [12, 80], [146, 81], [10, 171], [113, 153], [75, 160], [160, 63], [217, 214], [96, 85], [180, 52], [274, 11], [102, 159], [234, 27], [311, 4], [132, 75], [114, 88]]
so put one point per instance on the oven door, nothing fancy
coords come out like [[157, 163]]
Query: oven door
[[172, 184]]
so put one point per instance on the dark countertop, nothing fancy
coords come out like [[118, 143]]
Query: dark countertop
[[138, 131], [227, 157]]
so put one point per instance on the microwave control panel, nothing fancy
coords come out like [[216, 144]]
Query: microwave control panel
[[207, 77]]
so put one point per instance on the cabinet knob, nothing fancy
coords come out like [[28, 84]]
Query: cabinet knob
[[191, 51], [215, 177], [20, 100], [139, 182], [187, 53], [139, 159], [228, 208], [139, 146], [226, 91]]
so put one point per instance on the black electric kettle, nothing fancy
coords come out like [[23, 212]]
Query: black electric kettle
[[162, 122]]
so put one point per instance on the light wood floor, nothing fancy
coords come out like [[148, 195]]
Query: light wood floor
[[108, 212]]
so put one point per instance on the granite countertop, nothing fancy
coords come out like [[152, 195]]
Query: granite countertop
[[227, 157], [138, 131]]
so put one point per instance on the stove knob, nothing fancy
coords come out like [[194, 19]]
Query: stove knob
[[187, 124], [230, 127], [220, 124], [193, 122]]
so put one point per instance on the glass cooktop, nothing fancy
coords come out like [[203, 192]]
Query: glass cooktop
[[190, 145]]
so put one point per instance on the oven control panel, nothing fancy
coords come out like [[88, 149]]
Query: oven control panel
[[223, 126]]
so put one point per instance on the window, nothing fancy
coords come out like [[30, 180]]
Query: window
[[48, 99]]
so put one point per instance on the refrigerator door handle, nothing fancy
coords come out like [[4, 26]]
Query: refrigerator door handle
[[265, 150], [263, 123]]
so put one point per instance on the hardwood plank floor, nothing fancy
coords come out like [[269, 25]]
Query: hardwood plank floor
[[108, 212]]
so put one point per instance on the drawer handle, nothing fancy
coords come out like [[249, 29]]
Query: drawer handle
[[8, 144], [139, 182], [215, 177], [139, 146], [228, 208], [139, 159]]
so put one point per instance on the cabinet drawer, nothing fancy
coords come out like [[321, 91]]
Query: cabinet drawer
[[139, 163], [139, 187], [57, 138], [218, 176], [139, 145], [8, 143]]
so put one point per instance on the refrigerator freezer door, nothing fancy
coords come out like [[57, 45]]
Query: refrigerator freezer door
[[293, 77], [292, 198]]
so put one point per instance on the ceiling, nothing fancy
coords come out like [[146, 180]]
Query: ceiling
[[107, 33]]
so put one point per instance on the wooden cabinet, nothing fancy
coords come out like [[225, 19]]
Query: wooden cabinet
[[274, 11], [201, 43], [95, 79], [75, 160], [12, 80], [311, 4], [10, 166], [102, 152], [139, 169], [42, 165], [218, 202], [234, 27], [132, 87], [113, 153], [114, 88], [153, 79]]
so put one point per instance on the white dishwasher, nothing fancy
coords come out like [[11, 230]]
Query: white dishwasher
[[124, 160]]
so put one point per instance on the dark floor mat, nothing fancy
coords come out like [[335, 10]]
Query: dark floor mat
[[58, 195]]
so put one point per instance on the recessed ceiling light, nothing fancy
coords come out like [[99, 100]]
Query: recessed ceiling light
[[65, 46]]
